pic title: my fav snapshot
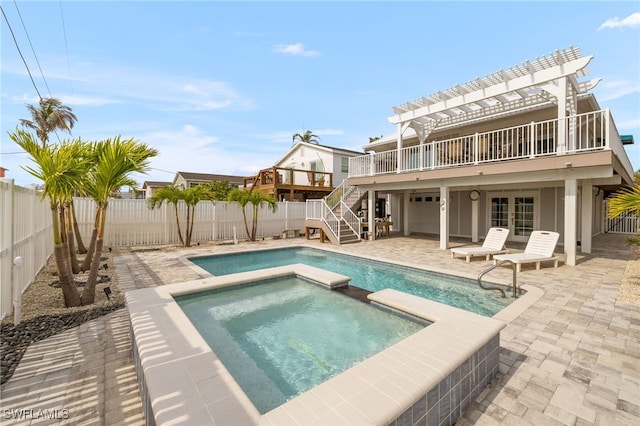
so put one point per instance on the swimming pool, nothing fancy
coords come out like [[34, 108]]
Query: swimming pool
[[280, 337], [364, 273], [429, 376]]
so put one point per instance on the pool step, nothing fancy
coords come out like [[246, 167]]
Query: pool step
[[354, 292]]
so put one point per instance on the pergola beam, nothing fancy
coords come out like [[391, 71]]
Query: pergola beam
[[498, 87]]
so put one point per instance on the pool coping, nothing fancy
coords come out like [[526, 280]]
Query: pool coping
[[185, 382]]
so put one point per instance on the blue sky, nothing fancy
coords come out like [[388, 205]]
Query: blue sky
[[221, 87]]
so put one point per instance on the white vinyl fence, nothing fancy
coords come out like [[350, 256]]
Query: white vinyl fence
[[131, 222], [26, 240], [26, 232], [626, 223]]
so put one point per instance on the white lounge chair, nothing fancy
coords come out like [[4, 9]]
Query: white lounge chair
[[540, 248], [493, 244]]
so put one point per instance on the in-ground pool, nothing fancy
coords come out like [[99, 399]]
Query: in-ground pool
[[365, 273], [280, 337]]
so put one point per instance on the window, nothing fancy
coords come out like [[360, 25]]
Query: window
[[345, 165], [316, 166]]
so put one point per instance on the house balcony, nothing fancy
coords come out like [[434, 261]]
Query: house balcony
[[291, 184], [583, 133]]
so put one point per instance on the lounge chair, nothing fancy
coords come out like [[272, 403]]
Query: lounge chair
[[540, 248], [493, 244]]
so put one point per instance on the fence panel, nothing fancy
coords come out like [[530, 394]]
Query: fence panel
[[131, 222], [626, 223], [25, 232]]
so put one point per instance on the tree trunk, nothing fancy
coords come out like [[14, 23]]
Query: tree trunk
[[178, 225], [76, 229], [69, 290], [89, 292], [86, 263], [73, 260], [246, 225], [188, 227], [254, 222]]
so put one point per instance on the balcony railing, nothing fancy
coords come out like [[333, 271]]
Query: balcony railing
[[583, 132], [281, 177]]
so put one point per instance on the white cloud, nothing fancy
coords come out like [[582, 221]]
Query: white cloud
[[614, 89], [631, 21], [296, 49]]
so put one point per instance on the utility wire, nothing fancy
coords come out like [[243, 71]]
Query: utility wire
[[66, 45], [20, 52], [32, 49]]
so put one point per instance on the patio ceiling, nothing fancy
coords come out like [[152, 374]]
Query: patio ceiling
[[524, 86]]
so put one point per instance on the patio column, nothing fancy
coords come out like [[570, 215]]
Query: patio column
[[474, 221], [586, 210], [405, 213], [444, 217], [371, 214], [570, 219]]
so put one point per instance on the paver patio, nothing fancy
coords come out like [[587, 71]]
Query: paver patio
[[570, 359]]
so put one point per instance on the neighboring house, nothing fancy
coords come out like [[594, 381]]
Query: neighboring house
[[527, 148], [305, 171], [189, 179], [150, 187], [2, 170]]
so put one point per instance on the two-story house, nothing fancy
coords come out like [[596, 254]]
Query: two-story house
[[526, 148]]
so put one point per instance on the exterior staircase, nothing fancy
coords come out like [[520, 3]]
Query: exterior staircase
[[334, 215]]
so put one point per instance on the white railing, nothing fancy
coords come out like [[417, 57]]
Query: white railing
[[351, 219], [625, 223], [584, 132], [26, 237]]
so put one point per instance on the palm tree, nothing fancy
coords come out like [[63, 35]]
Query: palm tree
[[61, 170], [49, 116], [257, 199], [191, 197], [307, 137], [114, 160], [627, 200]]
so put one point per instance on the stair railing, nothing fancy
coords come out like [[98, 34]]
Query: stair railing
[[351, 219]]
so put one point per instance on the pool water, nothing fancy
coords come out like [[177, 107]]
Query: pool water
[[280, 337], [367, 274]]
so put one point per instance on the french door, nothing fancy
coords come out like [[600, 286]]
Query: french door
[[517, 212]]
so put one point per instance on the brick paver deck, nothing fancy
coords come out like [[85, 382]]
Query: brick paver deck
[[569, 359]]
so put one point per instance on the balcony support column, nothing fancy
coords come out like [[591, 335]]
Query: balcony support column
[[570, 219], [371, 214], [444, 217], [405, 213], [474, 221], [586, 211]]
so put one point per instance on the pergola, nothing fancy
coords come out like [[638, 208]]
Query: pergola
[[550, 79]]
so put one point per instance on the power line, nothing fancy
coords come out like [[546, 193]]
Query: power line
[[66, 45], [32, 49], [20, 52]]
